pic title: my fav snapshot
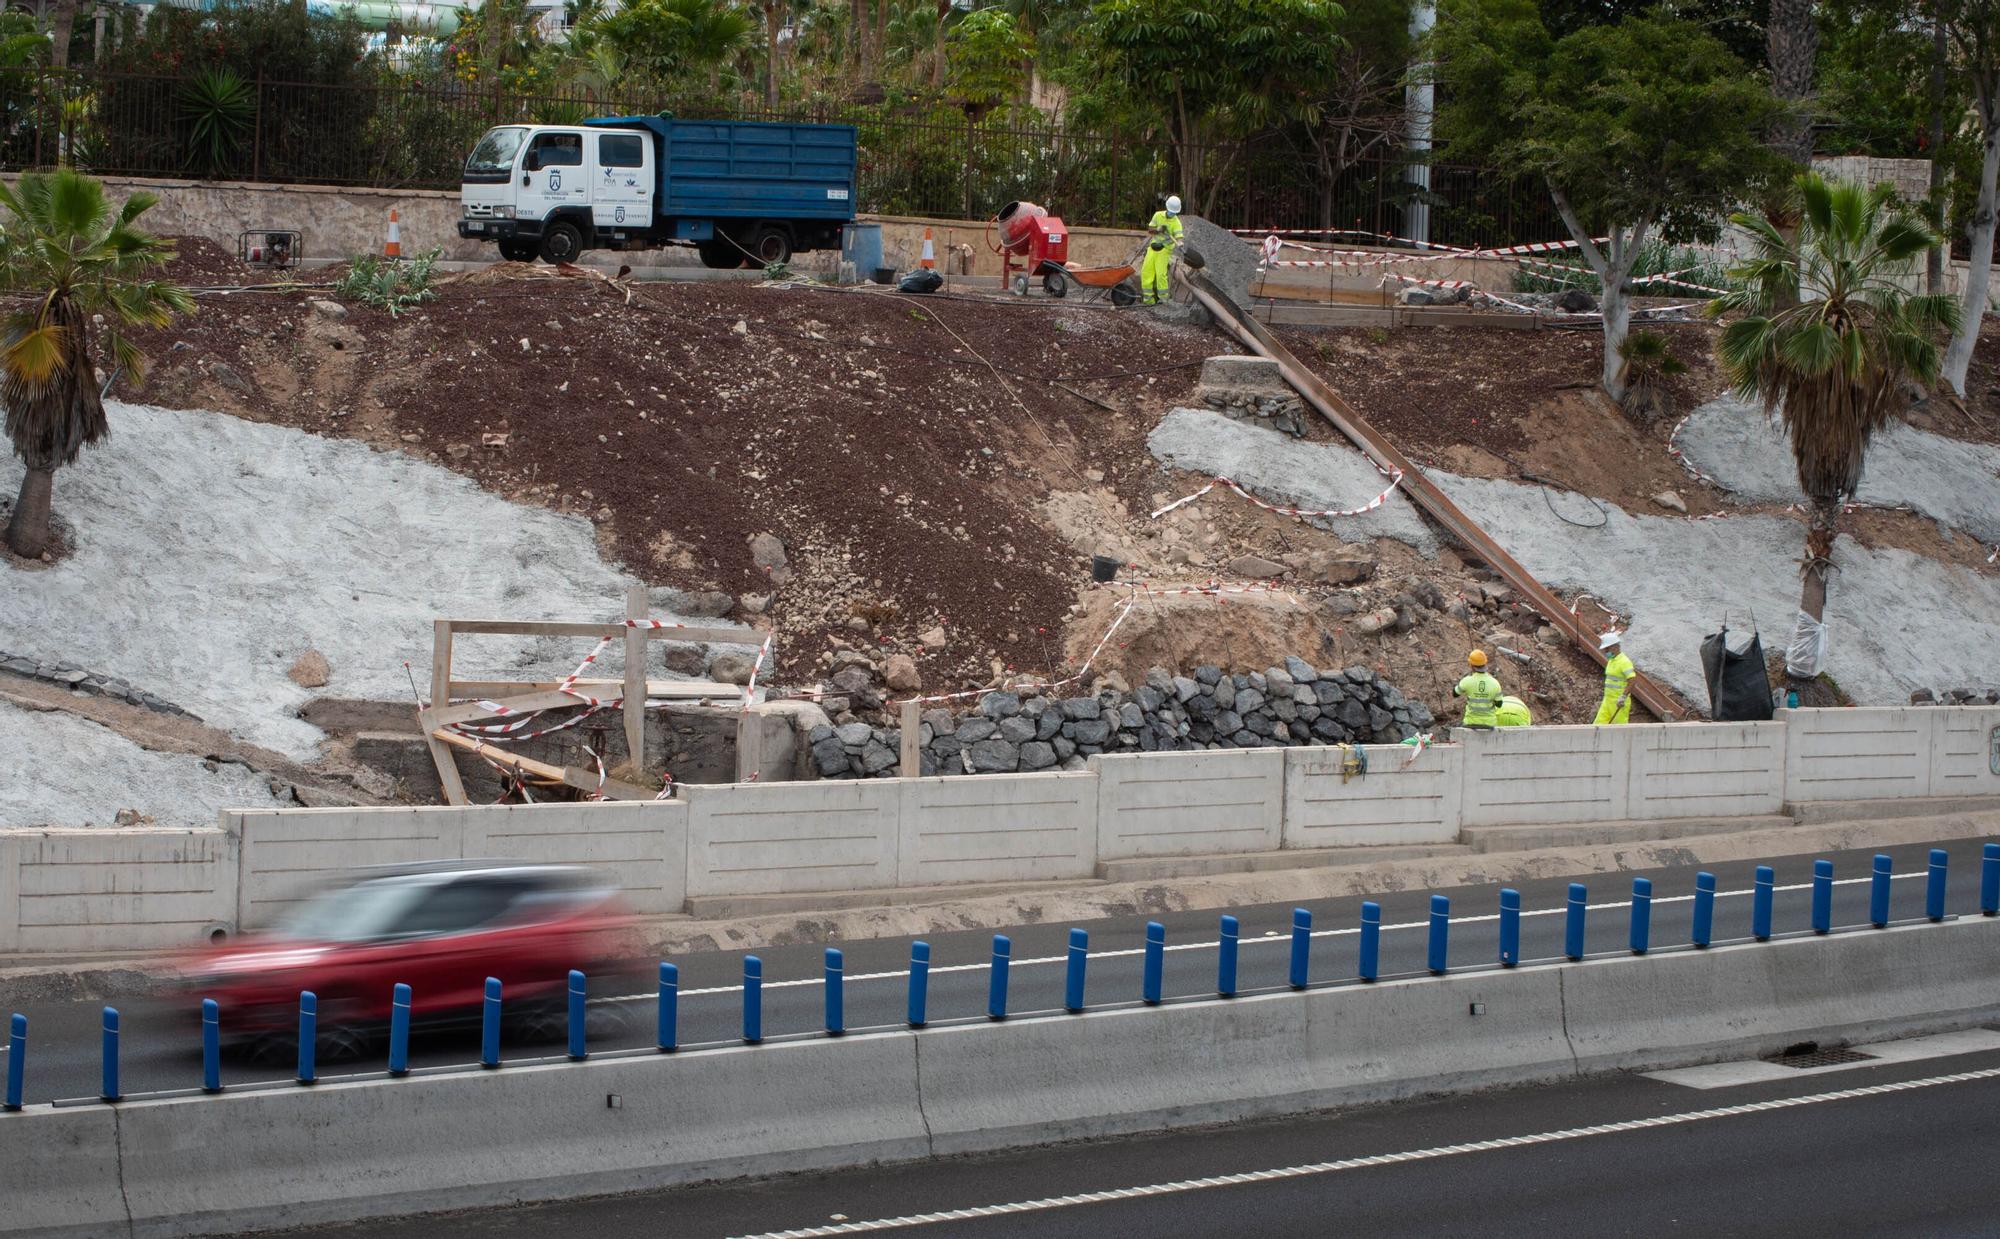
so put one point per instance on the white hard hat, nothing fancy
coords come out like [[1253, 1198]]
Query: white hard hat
[[1173, 204], [1610, 639]]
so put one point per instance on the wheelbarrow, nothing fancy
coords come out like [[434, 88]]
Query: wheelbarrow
[[1120, 283]]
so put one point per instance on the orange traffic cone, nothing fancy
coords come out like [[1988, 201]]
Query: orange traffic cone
[[394, 247], [929, 260]]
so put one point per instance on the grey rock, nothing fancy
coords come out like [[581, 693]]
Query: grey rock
[[819, 733], [1080, 708], [1049, 725], [1037, 756], [71, 677], [1000, 705], [1308, 713], [1300, 670], [1420, 715], [1257, 682], [1131, 717], [854, 735], [1260, 724], [1247, 700], [1208, 674], [1281, 733], [1327, 729], [877, 758], [20, 666], [1035, 707], [1353, 715], [830, 757], [1150, 699], [941, 722], [1160, 680], [1245, 739], [1185, 690], [1284, 709], [1228, 723], [854, 681], [1072, 765], [1064, 747], [228, 377], [1359, 675], [1201, 706], [1091, 731], [973, 730], [1379, 719], [1017, 730], [1225, 694], [1389, 697], [947, 748], [992, 756]]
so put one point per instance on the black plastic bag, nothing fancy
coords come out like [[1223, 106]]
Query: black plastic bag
[[922, 280], [1739, 689]]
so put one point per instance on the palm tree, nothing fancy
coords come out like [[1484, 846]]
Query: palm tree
[[71, 258], [1828, 334]]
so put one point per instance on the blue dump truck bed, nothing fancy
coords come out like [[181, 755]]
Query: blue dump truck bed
[[734, 169]]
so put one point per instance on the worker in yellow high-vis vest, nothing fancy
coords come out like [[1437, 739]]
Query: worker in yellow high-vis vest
[[1481, 691], [1164, 238], [1618, 672]]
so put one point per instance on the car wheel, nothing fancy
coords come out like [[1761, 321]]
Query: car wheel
[[343, 1043], [771, 246], [543, 1022], [719, 254], [561, 242]]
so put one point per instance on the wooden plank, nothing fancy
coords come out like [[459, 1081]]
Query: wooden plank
[[681, 689], [568, 628], [749, 746], [635, 678], [912, 763], [582, 780], [521, 705], [447, 766]]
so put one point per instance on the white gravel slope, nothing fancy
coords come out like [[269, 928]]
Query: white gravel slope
[[61, 770], [213, 551]]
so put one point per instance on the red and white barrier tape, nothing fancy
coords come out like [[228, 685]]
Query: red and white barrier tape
[[1395, 480], [750, 688]]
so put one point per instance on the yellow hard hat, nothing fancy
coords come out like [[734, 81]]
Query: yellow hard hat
[[1477, 658]]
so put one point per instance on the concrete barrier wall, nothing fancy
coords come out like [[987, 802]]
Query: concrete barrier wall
[[288, 853], [108, 890], [1189, 804], [139, 888], [1406, 797], [294, 1156]]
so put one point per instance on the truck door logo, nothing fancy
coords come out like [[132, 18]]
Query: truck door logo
[[555, 181], [618, 215]]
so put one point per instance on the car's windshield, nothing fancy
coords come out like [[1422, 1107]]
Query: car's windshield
[[495, 152], [354, 913]]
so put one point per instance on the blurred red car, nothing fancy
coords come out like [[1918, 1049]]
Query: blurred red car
[[441, 929]]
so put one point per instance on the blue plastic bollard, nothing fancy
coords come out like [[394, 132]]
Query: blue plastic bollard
[[1934, 886], [489, 1026], [920, 983], [1579, 907], [1225, 959], [1878, 890], [1371, 940], [211, 1046], [1510, 927], [1760, 903], [1989, 880], [1642, 914], [1440, 932], [996, 986], [1822, 897], [109, 1090], [836, 996], [753, 1000], [1079, 957], [1302, 932], [399, 1030], [308, 1036], [17, 1060], [1704, 909], [667, 1021], [578, 1016], [1156, 963]]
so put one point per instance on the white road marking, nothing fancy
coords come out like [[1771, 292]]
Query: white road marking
[[1208, 944], [1907, 1050], [1380, 1159]]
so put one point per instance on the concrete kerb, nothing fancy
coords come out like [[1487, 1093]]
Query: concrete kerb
[[296, 1156]]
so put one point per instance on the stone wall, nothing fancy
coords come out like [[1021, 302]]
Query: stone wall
[[1291, 705]]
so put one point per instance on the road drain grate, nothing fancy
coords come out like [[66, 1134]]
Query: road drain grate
[[1822, 1058]]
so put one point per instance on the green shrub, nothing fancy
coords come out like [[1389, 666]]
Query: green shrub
[[389, 283]]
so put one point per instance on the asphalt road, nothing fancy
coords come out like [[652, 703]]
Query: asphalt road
[[1834, 1151], [160, 1045]]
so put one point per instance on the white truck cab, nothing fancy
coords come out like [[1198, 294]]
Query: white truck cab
[[556, 190]]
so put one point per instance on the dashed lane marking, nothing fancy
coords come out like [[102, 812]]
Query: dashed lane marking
[[1381, 1159]]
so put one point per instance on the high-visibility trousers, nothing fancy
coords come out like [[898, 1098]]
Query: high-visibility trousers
[[1153, 274], [1615, 708]]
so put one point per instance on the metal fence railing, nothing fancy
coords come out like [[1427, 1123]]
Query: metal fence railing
[[925, 162]]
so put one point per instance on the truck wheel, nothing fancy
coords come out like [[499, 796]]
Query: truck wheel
[[720, 254], [771, 245], [518, 251], [562, 242]]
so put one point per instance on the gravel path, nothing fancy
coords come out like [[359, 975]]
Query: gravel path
[[1956, 482], [213, 551], [65, 771]]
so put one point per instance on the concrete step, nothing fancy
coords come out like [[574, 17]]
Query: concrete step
[[1586, 834], [1149, 868], [1816, 812], [721, 907]]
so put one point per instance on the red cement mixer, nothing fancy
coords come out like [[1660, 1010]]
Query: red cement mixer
[[1039, 239]]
